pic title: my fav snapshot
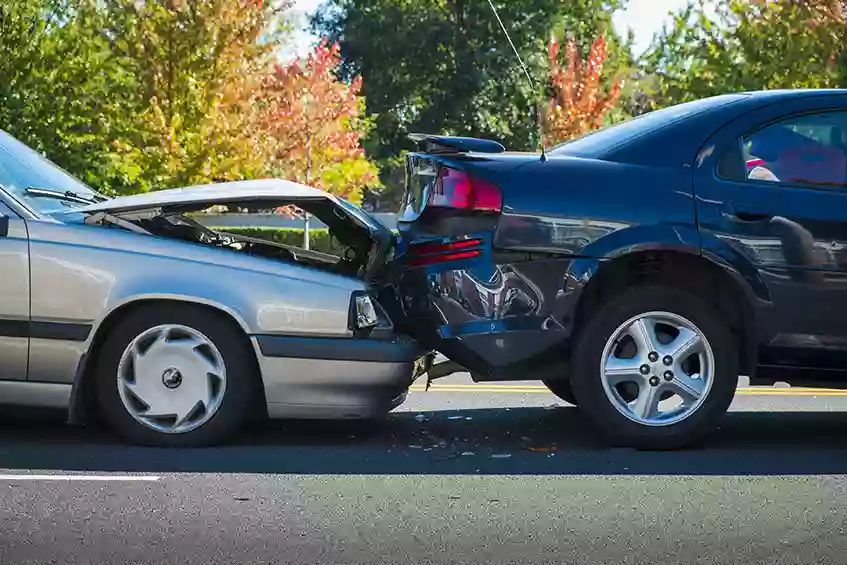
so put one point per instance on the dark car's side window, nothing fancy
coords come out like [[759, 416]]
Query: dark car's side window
[[802, 150]]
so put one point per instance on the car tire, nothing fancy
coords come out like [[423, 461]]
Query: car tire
[[200, 354], [625, 412], [562, 389]]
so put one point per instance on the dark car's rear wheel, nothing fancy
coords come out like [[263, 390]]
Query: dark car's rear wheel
[[655, 368], [175, 376]]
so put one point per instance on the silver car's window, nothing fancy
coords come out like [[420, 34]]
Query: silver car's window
[[22, 167]]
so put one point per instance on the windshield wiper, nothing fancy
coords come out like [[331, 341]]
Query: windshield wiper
[[67, 195]]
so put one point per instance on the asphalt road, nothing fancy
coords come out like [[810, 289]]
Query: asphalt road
[[479, 475]]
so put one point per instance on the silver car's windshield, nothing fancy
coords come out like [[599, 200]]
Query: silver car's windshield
[[22, 168]]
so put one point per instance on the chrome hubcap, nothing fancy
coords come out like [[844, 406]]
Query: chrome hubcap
[[657, 368], [171, 379]]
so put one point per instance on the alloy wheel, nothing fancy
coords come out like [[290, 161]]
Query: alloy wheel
[[657, 368]]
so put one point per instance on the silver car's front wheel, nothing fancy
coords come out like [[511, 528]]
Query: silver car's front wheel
[[171, 378], [177, 375]]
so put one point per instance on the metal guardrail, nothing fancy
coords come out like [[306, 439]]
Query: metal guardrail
[[274, 221]]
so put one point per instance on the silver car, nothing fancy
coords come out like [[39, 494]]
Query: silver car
[[174, 333]]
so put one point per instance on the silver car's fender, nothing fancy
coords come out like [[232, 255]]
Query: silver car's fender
[[83, 274]]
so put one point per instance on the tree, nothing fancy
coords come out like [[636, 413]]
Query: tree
[[312, 125], [444, 66], [58, 85], [198, 64], [743, 45], [579, 104]]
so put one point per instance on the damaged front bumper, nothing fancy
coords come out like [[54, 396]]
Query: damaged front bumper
[[337, 378]]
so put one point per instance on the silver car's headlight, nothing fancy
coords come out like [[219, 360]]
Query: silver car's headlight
[[364, 313]]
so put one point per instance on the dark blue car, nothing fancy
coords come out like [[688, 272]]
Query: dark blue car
[[640, 269]]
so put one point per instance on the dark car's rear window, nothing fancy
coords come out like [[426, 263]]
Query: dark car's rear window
[[597, 143]]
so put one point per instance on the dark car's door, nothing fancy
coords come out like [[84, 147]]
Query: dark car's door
[[772, 186]]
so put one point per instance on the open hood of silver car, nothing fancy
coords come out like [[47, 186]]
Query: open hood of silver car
[[347, 222], [192, 198]]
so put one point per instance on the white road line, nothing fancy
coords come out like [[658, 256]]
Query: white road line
[[93, 478]]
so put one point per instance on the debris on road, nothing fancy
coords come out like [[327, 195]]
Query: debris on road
[[455, 417], [468, 453], [553, 407], [415, 446], [501, 456], [468, 418], [421, 418], [542, 449]]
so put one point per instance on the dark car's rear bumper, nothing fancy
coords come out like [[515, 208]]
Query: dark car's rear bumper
[[490, 318]]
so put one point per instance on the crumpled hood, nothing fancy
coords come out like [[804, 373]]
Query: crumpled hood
[[198, 197], [348, 223]]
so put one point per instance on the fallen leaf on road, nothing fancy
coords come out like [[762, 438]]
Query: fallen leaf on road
[[542, 449]]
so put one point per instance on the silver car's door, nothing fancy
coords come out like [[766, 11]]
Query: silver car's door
[[14, 295]]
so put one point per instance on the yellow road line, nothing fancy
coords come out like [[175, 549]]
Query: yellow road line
[[537, 389]]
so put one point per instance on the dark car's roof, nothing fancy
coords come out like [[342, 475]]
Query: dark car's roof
[[676, 132], [793, 93]]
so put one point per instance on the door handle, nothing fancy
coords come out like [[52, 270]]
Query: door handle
[[744, 214], [753, 216]]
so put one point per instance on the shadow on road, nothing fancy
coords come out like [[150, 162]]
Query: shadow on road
[[521, 441]]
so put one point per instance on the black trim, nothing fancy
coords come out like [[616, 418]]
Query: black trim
[[400, 350], [14, 328], [56, 330], [44, 330]]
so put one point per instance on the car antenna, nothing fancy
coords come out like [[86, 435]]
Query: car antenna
[[528, 77]]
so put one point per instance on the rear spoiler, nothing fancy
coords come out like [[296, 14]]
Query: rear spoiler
[[447, 144]]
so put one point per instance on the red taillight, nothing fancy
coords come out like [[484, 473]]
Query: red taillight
[[458, 189], [444, 258], [429, 253]]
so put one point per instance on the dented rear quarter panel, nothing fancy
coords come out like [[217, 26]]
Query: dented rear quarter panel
[[562, 218]]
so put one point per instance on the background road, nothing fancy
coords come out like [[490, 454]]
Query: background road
[[483, 474]]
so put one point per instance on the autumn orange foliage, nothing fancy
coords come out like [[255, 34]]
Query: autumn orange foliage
[[312, 125], [580, 103]]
